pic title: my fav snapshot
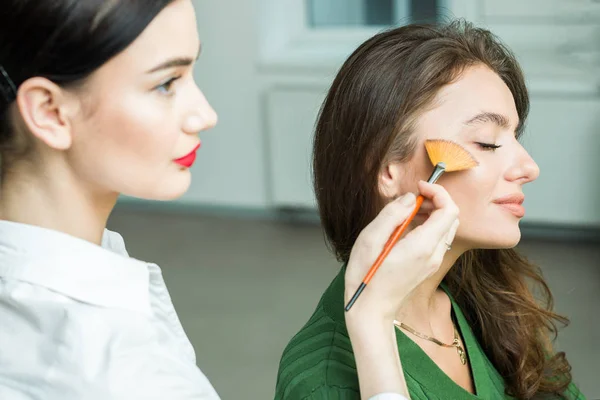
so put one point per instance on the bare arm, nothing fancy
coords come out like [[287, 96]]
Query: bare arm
[[414, 258], [376, 353]]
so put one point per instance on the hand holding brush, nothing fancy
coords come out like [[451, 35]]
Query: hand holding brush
[[446, 156]]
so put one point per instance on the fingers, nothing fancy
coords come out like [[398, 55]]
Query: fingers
[[427, 207], [425, 240], [444, 215], [437, 194], [452, 233], [390, 217], [442, 246]]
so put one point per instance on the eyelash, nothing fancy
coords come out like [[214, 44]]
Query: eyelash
[[166, 87], [488, 146]]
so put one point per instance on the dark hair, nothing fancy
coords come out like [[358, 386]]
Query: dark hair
[[367, 121], [65, 40]]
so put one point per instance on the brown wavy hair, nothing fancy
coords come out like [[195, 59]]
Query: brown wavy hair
[[366, 122]]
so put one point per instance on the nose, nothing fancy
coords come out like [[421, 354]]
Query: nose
[[524, 168], [201, 118]]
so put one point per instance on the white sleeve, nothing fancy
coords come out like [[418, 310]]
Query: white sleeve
[[388, 396]]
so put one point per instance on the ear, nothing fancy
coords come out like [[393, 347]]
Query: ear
[[390, 180], [45, 109]]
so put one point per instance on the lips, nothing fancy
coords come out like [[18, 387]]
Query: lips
[[188, 160], [513, 204]]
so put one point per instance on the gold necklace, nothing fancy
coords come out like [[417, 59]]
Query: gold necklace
[[455, 342]]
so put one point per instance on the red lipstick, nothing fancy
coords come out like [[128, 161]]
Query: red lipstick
[[188, 160]]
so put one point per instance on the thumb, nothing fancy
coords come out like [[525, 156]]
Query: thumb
[[390, 217]]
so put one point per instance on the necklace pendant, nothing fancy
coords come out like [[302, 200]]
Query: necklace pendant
[[462, 355]]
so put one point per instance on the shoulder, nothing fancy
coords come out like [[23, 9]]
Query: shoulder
[[54, 349], [114, 241], [318, 360], [70, 351], [43, 320]]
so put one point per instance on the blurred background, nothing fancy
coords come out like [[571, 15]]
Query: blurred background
[[242, 252]]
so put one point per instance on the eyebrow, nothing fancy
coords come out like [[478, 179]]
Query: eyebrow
[[175, 62], [487, 117]]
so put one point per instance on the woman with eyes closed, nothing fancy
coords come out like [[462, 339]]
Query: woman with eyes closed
[[97, 99], [451, 313]]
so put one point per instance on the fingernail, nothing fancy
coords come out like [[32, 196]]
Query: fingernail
[[408, 199]]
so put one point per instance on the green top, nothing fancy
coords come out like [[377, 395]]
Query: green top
[[318, 363]]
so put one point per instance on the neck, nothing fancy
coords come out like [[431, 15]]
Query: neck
[[428, 308], [57, 201]]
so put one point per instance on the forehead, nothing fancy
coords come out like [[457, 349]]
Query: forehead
[[173, 33], [478, 89]]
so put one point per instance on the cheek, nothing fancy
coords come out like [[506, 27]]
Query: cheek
[[141, 132], [472, 191], [126, 146]]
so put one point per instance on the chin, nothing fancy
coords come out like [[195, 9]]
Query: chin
[[506, 244], [166, 189], [500, 238]]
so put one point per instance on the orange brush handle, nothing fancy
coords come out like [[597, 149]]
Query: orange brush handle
[[396, 235], [437, 172]]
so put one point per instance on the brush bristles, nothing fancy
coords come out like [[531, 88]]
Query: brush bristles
[[456, 157]]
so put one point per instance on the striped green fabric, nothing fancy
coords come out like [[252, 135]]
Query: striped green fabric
[[318, 363]]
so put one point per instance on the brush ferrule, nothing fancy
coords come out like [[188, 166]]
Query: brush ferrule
[[439, 169]]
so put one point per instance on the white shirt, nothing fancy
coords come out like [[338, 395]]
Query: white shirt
[[388, 396], [84, 322]]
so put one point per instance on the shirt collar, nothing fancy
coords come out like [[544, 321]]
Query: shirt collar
[[100, 275]]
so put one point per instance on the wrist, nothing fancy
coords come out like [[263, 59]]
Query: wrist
[[365, 310], [363, 321]]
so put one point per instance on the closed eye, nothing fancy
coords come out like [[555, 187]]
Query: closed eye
[[488, 146]]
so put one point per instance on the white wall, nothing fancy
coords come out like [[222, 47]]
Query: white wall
[[230, 170], [337, 12], [266, 74]]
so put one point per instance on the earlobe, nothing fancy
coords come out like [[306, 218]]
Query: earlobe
[[43, 107]]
